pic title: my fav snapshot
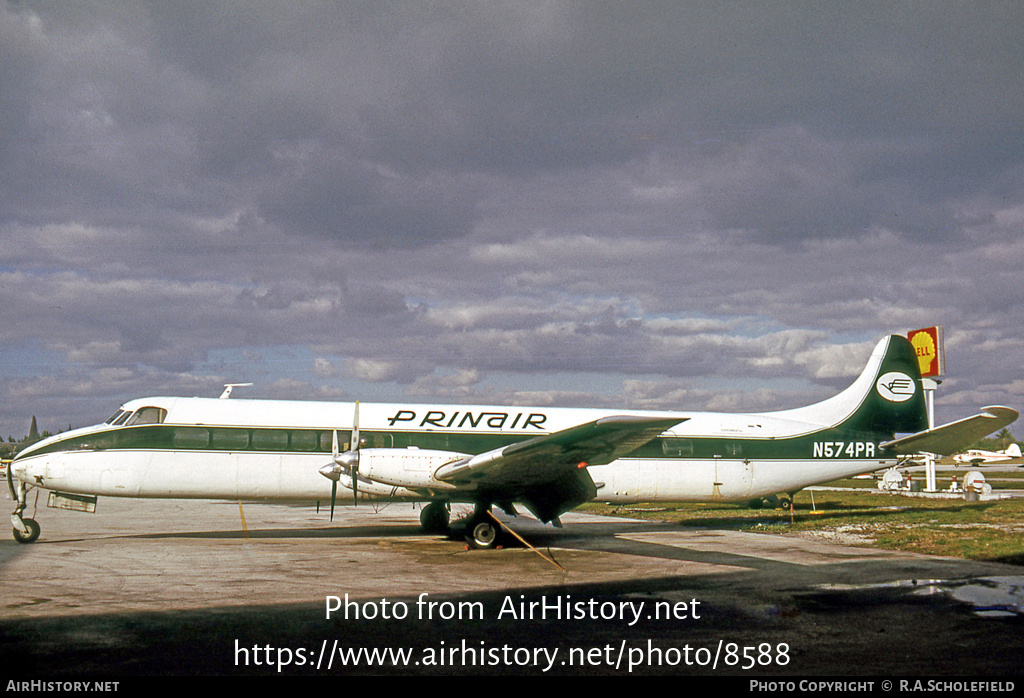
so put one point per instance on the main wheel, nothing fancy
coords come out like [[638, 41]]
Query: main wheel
[[31, 536], [434, 517], [483, 535]]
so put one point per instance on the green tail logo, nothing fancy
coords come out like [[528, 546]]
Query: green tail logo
[[894, 402]]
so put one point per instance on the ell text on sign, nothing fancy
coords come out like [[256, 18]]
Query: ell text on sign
[[927, 345]]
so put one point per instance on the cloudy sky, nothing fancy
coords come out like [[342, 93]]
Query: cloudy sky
[[665, 205]]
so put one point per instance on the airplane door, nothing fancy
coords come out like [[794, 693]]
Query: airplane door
[[733, 474]]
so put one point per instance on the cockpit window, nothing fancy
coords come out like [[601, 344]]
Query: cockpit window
[[113, 417], [148, 415], [122, 418]]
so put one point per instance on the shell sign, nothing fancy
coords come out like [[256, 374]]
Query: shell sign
[[927, 345]]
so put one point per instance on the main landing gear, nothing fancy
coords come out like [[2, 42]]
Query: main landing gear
[[481, 530], [435, 517], [772, 501]]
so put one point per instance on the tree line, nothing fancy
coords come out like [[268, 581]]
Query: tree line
[[9, 448]]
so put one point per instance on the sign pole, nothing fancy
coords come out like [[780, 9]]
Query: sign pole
[[928, 345], [929, 386]]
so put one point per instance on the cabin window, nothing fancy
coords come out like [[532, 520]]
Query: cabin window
[[148, 415], [303, 440], [270, 440], [326, 438], [191, 437], [230, 439], [677, 447], [376, 439]]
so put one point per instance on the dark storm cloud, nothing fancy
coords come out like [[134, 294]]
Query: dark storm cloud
[[296, 108], [347, 201], [417, 197]]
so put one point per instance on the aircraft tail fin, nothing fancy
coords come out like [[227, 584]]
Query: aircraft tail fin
[[1013, 451], [887, 397]]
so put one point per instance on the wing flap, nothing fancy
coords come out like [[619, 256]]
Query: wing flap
[[954, 437]]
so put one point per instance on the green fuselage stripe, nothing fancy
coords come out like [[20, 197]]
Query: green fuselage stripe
[[824, 444]]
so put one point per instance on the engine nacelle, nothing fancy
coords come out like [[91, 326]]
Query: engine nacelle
[[375, 489], [405, 467]]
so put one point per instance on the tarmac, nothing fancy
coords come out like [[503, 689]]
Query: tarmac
[[202, 588]]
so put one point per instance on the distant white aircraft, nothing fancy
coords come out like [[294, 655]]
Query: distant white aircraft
[[548, 460], [978, 457]]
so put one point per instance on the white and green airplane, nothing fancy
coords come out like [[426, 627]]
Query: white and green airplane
[[548, 460]]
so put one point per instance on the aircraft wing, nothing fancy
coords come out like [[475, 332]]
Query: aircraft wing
[[547, 472], [953, 437]]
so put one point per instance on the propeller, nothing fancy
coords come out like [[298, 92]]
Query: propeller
[[342, 462], [350, 458]]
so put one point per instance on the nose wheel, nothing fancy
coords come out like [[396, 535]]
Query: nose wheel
[[31, 532]]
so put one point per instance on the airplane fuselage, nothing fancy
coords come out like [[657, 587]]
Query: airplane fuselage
[[978, 457], [263, 449]]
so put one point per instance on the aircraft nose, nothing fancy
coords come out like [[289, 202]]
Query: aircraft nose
[[20, 470], [30, 472]]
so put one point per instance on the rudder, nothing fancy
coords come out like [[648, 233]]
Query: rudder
[[894, 402]]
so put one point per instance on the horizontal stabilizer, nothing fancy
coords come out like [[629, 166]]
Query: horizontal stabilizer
[[954, 437]]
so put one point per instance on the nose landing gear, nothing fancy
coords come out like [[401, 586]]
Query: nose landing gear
[[25, 530]]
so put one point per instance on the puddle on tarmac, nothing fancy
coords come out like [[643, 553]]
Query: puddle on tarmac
[[991, 597]]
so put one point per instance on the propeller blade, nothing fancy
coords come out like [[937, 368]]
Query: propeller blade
[[355, 428], [354, 446], [332, 471]]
